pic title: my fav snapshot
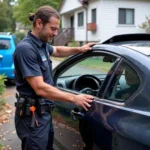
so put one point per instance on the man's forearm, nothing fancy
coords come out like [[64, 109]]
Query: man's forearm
[[63, 51], [52, 93]]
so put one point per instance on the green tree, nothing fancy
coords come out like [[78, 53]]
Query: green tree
[[6, 21], [11, 4], [24, 7], [146, 25], [19, 36]]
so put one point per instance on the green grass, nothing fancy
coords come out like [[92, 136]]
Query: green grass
[[1, 145], [92, 63], [58, 58], [2, 102], [96, 63]]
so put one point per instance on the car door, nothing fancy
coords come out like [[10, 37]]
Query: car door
[[124, 127], [112, 122], [82, 74], [6, 52]]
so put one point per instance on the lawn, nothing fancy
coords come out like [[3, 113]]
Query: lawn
[[96, 63], [1, 146]]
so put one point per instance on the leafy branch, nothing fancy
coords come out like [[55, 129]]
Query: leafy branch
[[146, 25]]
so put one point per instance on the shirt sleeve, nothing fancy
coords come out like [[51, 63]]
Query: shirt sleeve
[[50, 48], [27, 61]]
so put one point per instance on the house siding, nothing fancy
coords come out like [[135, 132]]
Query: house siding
[[94, 35], [107, 18], [69, 5], [66, 21], [80, 32]]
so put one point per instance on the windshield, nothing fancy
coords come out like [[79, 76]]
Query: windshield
[[4, 44]]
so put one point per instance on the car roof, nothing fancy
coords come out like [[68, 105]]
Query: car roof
[[6, 35], [139, 42]]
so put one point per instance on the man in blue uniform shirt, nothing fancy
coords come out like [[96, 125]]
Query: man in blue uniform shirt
[[34, 81]]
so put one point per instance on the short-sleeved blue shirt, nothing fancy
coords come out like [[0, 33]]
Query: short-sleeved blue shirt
[[32, 58]]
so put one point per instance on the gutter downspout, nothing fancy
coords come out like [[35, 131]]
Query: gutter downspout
[[85, 5], [86, 21], [86, 32]]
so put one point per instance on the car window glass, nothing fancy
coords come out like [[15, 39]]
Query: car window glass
[[124, 84], [4, 44], [90, 65], [87, 75]]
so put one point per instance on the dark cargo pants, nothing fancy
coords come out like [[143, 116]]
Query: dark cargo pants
[[38, 137]]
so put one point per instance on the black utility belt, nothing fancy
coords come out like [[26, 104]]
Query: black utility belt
[[27, 105]]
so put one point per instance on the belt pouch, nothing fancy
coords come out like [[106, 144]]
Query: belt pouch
[[41, 106]]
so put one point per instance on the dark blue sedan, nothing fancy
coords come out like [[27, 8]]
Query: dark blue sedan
[[117, 73]]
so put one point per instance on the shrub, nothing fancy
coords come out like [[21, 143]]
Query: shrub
[[73, 44], [1, 145], [2, 99], [146, 25], [19, 36], [2, 89]]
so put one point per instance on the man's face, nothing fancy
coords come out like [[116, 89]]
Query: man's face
[[49, 30]]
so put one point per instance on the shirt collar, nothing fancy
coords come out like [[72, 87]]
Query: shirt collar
[[35, 39]]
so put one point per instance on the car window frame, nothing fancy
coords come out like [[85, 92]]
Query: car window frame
[[141, 77], [108, 79], [77, 58]]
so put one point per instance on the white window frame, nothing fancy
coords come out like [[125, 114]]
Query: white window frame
[[92, 15], [80, 25], [125, 21]]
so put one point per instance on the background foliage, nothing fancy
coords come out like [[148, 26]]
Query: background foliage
[[18, 10], [2, 89], [146, 25], [24, 7], [19, 36], [7, 22]]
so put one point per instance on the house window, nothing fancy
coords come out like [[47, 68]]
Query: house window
[[126, 16], [94, 15], [80, 19]]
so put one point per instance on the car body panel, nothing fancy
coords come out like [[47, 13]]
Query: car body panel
[[113, 125], [122, 124], [6, 56]]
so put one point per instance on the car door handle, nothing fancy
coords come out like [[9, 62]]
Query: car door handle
[[76, 114]]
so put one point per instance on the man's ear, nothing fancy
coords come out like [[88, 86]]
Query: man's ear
[[39, 24]]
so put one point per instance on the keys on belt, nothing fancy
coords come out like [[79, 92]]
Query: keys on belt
[[34, 120]]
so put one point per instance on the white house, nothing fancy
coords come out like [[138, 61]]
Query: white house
[[98, 20]]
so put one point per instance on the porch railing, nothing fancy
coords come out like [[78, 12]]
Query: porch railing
[[64, 36]]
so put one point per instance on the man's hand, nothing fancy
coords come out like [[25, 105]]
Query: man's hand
[[87, 47], [83, 101]]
